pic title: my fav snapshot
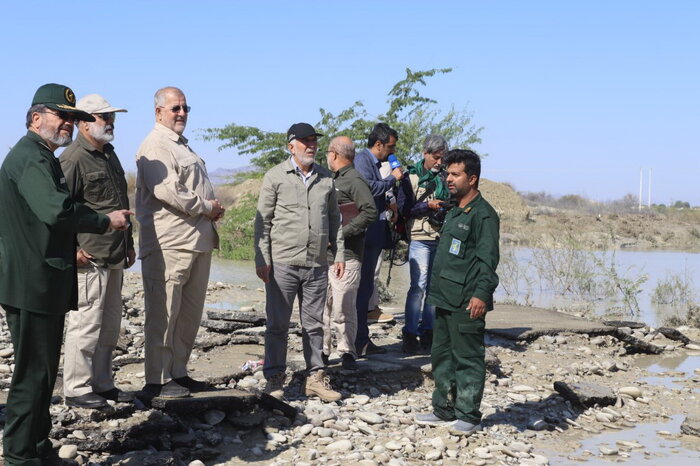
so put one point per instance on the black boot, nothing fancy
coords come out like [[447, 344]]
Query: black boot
[[426, 340], [410, 343]]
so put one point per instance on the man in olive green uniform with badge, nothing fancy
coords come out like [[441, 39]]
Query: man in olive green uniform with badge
[[37, 265], [461, 289]]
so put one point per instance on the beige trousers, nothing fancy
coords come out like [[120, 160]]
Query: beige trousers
[[340, 314], [92, 332], [175, 286]]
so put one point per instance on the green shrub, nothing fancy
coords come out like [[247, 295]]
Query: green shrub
[[237, 229]]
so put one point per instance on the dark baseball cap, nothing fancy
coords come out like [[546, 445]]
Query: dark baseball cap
[[61, 98], [301, 131]]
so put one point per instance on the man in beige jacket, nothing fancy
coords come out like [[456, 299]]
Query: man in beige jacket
[[176, 209]]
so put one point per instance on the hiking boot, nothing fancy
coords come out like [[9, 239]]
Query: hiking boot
[[410, 344], [426, 340], [430, 419], [377, 316], [370, 348], [274, 385], [317, 384], [464, 428], [348, 362]]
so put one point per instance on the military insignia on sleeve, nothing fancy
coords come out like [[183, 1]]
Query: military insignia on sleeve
[[70, 97]]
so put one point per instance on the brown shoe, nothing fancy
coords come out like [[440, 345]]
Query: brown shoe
[[377, 316], [274, 386], [317, 384]]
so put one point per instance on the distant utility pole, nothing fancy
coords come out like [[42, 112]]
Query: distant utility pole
[[649, 194], [641, 176], [641, 188]]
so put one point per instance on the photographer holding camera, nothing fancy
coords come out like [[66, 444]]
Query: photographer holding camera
[[423, 200]]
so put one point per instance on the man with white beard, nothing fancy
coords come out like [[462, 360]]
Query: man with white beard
[[95, 178], [296, 224], [37, 272]]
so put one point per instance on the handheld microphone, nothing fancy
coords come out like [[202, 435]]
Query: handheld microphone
[[394, 162]]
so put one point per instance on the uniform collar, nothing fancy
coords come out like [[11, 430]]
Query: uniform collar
[[38, 139], [343, 170], [170, 134], [471, 203]]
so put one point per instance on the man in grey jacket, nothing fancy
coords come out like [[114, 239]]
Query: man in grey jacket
[[296, 220]]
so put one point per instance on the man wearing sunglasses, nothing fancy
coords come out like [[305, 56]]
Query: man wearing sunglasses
[[176, 209], [95, 177], [37, 265]]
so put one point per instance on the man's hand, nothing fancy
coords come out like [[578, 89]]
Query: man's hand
[[477, 308], [397, 173], [339, 269], [435, 204], [119, 219], [83, 258], [130, 257], [217, 210], [263, 273], [394, 213]]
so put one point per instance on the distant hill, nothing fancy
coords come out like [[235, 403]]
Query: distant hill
[[225, 175]]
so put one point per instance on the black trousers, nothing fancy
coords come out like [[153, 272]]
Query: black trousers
[[36, 339]]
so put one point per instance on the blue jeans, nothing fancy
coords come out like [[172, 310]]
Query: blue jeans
[[419, 315], [364, 293]]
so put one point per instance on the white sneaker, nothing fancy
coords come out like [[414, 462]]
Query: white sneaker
[[430, 419], [464, 428]]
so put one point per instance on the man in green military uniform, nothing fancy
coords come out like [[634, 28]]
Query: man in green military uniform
[[461, 289], [37, 265]]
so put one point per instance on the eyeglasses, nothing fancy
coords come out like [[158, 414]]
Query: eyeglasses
[[65, 116], [107, 116], [177, 108]]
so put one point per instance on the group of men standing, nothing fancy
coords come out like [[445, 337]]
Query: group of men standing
[[319, 232], [65, 241]]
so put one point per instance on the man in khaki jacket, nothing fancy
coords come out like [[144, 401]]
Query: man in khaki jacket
[[176, 209], [297, 219]]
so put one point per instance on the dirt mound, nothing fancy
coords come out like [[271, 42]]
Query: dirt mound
[[503, 198], [231, 195]]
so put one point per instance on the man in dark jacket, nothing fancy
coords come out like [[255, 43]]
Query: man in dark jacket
[[381, 143], [95, 177], [358, 211], [37, 265]]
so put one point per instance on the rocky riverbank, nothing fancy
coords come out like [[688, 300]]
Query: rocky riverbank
[[545, 397]]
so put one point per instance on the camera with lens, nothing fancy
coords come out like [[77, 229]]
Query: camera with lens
[[436, 218]]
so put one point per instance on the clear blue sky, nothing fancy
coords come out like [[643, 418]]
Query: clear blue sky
[[575, 96]]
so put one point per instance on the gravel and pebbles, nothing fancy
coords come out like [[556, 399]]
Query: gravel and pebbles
[[542, 398]]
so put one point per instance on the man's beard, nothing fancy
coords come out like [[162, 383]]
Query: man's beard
[[56, 138], [100, 132], [306, 159]]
